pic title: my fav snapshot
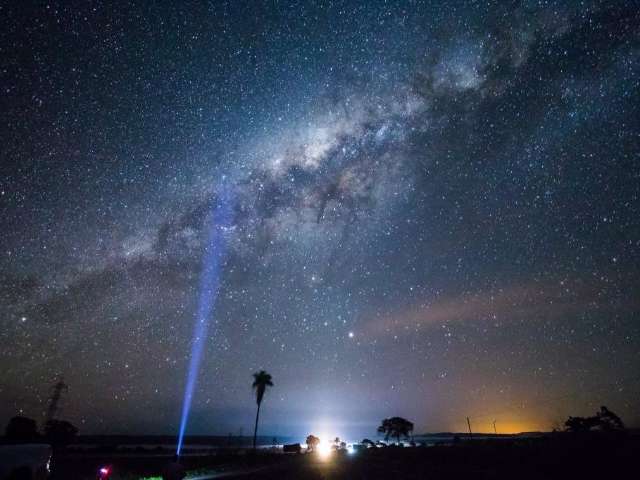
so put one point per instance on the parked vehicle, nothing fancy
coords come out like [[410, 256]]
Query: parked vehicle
[[292, 448]]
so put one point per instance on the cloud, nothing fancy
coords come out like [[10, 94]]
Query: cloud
[[521, 302]]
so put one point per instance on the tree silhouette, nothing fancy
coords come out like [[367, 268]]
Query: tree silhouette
[[261, 380], [368, 443], [60, 432], [312, 443], [604, 420], [395, 427], [21, 429], [609, 420], [580, 424]]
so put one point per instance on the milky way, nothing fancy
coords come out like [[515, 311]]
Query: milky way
[[436, 212]]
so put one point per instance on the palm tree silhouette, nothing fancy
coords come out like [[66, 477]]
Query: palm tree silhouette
[[261, 380]]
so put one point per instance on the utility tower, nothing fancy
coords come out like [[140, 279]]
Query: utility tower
[[56, 393]]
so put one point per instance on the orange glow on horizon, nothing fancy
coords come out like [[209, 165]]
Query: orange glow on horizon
[[506, 426]]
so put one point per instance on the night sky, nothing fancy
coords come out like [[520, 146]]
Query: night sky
[[435, 212]]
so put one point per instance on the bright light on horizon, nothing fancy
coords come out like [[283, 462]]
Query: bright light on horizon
[[324, 447]]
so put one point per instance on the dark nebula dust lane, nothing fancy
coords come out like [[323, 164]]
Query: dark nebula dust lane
[[436, 212]]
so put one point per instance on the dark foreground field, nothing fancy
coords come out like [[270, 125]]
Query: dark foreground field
[[547, 458], [537, 460]]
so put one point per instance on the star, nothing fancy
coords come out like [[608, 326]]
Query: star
[[453, 189]]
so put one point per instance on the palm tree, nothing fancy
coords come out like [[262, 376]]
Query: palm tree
[[261, 380]]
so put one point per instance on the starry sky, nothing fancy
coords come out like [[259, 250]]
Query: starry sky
[[435, 212]]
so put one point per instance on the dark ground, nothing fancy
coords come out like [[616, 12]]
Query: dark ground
[[132, 466], [545, 458]]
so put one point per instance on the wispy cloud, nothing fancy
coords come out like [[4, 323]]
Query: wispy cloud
[[522, 302]]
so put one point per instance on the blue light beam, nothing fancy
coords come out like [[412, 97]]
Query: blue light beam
[[218, 221]]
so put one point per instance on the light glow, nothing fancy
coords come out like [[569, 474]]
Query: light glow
[[324, 447]]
